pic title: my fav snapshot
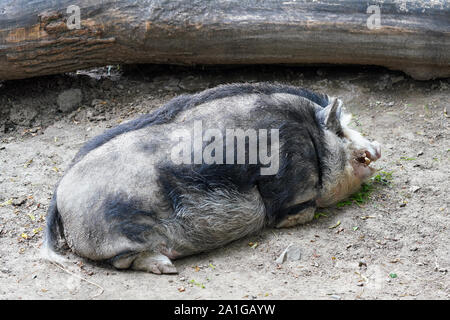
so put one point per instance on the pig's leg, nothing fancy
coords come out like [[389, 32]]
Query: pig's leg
[[208, 219], [144, 261], [298, 214], [203, 220], [153, 262]]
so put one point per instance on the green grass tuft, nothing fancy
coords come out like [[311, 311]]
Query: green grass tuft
[[383, 178], [361, 197], [317, 215]]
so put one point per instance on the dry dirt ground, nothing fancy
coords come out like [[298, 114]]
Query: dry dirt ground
[[393, 245]]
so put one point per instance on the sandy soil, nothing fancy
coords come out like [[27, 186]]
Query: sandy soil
[[394, 245]]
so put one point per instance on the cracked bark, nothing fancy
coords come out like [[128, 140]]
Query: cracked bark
[[35, 39]]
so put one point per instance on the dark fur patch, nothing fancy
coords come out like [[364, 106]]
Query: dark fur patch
[[301, 138], [126, 218], [295, 209]]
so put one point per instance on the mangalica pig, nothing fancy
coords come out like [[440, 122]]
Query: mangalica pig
[[204, 170]]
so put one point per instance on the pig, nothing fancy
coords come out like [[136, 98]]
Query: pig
[[181, 180]]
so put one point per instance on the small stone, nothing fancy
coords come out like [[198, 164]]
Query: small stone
[[335, 297], [420, 153], [23, 115], [19, 201], [282, 257], [414, 189], [97, 118], [397, 79], [69, 100], [192, 83], [293, 253], [89, 114]]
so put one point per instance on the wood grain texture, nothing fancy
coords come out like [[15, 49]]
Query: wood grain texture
[[34, 38]]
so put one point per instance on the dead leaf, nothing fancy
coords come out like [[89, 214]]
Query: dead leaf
[[6, 203], [336, 225], [27, 164]]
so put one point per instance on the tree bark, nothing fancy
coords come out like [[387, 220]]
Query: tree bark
[[36, 39]]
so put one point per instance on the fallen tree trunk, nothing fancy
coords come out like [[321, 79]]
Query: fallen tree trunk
[[40, 37]]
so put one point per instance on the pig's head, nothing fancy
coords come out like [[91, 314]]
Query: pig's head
[[348, 155]]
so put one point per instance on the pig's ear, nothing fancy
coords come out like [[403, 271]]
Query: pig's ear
[[332, 116]]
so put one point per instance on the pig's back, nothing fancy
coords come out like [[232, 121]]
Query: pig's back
[[174, 107]]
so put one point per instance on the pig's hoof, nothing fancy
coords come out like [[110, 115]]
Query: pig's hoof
[[153, 262], [299, 218]]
